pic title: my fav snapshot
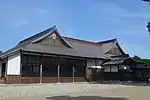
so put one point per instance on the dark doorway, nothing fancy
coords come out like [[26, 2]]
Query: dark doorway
[[3, 71]]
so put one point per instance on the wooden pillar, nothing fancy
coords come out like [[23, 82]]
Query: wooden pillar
[[118, 72], [73, 73], [6, 69], [58, 74], [41, 68], [20, 65], [110, 74], [95, 63], [58, 69]]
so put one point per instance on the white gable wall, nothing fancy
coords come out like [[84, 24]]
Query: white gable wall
[[13, 65]]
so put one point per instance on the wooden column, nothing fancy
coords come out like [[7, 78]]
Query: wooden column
[[118, 72], [41, 68], [58, 75], [73, 73], [110, 68], [95, 63], [20, 65]]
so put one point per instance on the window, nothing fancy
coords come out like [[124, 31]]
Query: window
[[49, 67], [80, 68], [30, 66], [107, 68]]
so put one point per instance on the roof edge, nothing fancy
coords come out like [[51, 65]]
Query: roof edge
[[38, 34], [107, 41]]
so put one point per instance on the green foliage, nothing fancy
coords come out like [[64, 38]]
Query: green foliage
[[146, 61], [146, 0]]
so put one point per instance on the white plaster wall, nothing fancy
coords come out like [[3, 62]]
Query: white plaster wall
[[13, 65]]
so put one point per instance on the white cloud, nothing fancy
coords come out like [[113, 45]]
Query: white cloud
[[43, 11], [19, 22], [116, 13]]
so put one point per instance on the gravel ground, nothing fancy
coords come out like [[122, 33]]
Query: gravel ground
[[92, 92], [15, 91]]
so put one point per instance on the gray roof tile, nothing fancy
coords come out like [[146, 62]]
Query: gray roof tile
[[79, 48]]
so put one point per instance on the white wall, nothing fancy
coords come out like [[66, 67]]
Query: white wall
[[13, 65]]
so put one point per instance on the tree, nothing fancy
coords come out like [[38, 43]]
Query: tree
[[148, 25], [136, 58], [146, 61], [146, 1]]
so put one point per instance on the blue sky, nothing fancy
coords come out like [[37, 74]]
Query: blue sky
[[93, 20]]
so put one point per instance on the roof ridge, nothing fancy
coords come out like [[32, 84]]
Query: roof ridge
[[38, 34], [107, 41], [79, 40]]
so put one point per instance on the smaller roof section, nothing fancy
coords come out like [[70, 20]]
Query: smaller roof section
[[108, 41], [127, 60], [109, 46]]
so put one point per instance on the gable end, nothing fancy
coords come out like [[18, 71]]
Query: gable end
[[53, 39]]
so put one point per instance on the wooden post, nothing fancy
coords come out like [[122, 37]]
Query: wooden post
[[73, 73], [20, 65], [58, 75], [41, 73]]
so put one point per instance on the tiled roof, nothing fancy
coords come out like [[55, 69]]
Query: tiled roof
[[79, 47]]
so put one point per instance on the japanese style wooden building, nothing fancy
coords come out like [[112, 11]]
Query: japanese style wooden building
[[48, 57]]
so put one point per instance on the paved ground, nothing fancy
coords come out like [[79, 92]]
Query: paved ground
[[91, 92]]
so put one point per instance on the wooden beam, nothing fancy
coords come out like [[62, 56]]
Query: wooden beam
[[73, 73]]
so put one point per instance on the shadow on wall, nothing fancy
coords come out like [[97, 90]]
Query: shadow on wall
[[85, 98]]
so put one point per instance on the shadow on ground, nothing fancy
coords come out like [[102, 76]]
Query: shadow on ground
[[124, 83], [84, 98]]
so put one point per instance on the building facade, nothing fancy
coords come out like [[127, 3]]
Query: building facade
[[48, 57]]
